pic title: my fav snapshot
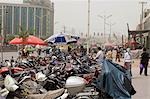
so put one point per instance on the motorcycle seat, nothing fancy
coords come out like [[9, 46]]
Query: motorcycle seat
[[49, 95]]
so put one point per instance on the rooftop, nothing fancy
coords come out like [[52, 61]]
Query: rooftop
[[45, 3]]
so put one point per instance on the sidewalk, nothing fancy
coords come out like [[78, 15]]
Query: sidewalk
[[141, 83]]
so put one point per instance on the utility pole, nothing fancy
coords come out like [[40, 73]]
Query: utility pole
[[41, 24], [122, 40], [142, 14], [64, 29], [110, 26], [142, 17], [2, 33], [1, 37], [55, 26], [88, 32]]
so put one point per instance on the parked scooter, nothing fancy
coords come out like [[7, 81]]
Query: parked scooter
[[76, 89]]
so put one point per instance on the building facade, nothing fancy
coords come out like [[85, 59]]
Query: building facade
[[146, 26], [146, 20], [34, 16], [143, 30]]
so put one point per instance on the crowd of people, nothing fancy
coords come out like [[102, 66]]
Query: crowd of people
[[127, 58]]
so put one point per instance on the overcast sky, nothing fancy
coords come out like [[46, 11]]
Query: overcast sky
[[73, 15]]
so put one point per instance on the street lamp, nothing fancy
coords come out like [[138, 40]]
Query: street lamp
[[2, 32], [104, 17], [40, 18], [88, 32], [55, 26], [2, 41], [142, 14], [110, 26], [142, 17]]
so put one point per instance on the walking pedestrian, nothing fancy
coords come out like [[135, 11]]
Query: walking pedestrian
[[39, 51], [99, 56], [118, 54], [109, 55], [12, 60], [127, 62], [144, 61]]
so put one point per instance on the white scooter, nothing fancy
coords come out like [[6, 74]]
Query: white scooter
[[76, 89]]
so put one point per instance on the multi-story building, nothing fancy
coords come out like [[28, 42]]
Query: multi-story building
[[146, 26], [146, 20], [34, 16]]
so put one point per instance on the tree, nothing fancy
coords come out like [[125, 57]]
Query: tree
[[44, 37], [23, 33], [10, 37]]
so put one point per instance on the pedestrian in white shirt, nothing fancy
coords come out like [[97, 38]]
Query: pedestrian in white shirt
[[127, 61], [99, 56]]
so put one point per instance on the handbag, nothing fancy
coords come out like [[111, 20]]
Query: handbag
[[141, 66]]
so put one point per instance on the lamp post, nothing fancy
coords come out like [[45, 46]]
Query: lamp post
[[2, 32], [2, 41], [40, 18], [105, 17], [55, 26], [110, 26], [142, 17], [142, 14], [88, 32]]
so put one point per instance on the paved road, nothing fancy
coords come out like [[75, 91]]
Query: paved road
[[141, 83], [8, 55]]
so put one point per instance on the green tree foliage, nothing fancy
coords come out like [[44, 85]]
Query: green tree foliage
[[23, 33], [10, 37], [44, 37]]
